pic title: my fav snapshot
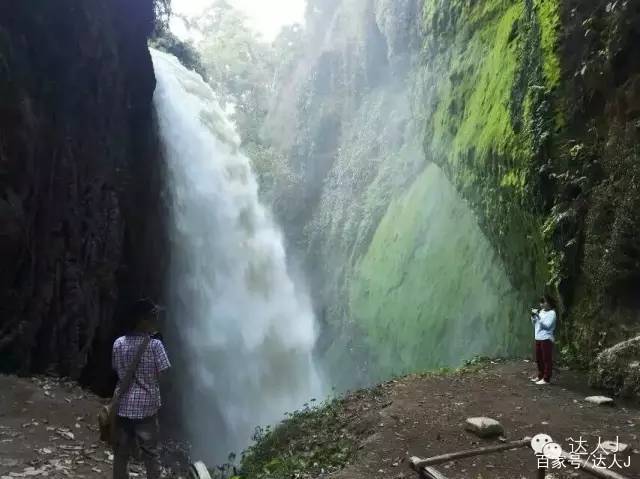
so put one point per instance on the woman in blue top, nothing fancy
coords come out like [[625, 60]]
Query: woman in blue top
[[544, 324]]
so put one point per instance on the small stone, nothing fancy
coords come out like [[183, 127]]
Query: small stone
[[613, 447], [600, 400], [484, 427], [65, 434]]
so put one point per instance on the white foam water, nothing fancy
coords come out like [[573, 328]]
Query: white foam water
[[244, 333]]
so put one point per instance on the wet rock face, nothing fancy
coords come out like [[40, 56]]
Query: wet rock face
[[595, 175], [397, 22], [76, 153]]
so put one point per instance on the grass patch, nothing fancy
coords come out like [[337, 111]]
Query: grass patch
[[311, 441]]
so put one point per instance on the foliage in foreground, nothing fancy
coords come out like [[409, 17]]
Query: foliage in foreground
[[309, 442]]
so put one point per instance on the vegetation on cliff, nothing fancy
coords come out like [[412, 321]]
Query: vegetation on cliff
[[492, 122], [529, 108], [595, 194], [382, 98]]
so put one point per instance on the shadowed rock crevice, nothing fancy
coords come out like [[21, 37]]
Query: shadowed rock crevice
[[79, 179]]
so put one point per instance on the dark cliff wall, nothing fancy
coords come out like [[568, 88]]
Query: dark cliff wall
[[595, 175], [79, 182]]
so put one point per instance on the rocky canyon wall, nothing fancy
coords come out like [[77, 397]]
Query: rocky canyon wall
[[529, 108], [403, 276], [79, 180], [537, 125]]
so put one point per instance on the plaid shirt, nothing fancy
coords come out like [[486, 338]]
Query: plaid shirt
[[143, 397]]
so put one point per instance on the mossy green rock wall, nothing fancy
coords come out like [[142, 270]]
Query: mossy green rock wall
[[430, 291], [529, 108], [537, 124], [492, 119], [402, 274]]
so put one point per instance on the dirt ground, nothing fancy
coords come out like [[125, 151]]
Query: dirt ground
[[424, 417], [47, 427]]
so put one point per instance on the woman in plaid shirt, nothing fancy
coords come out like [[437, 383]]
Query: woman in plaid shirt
[[138, 411]]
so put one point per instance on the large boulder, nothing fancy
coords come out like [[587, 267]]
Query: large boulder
[[617, 369]]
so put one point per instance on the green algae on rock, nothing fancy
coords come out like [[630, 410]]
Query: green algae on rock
[[430, 290]]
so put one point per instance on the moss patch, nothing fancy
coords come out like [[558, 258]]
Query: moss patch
[[430, 291], [494, 66], [549, 21]]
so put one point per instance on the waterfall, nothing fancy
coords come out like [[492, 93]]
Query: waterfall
[[243, 332]]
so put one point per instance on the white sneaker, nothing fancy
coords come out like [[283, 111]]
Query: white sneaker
[[542, 382], [534, 379]]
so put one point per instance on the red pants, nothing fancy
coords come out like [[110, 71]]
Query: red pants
[[544, 358]]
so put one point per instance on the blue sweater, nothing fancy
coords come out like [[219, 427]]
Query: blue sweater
[[544, 324]]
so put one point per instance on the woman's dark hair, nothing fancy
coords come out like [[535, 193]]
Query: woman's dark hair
[[550, 300]]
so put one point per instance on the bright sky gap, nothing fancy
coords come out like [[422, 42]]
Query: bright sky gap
[[265, 16]]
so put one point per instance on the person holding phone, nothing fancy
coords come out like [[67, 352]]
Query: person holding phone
[[544, 323]]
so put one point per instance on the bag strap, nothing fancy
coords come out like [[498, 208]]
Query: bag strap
[[125, 384]]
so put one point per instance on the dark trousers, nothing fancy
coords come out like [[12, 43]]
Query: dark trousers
[[544, 358], [145, 433]]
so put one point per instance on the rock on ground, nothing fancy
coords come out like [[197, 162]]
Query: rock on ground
[[617, 369], [484, 427], [599, 400], [614, 447], [422, 415]]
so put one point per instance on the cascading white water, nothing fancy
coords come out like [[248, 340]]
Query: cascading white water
[[243, 333]]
